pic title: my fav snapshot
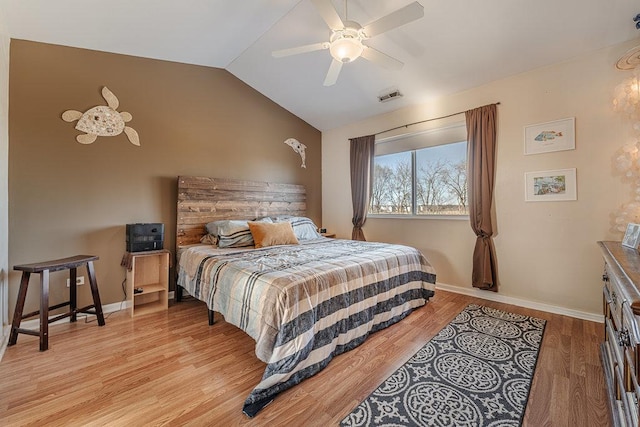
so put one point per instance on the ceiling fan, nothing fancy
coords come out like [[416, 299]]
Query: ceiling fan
[[346, 41]]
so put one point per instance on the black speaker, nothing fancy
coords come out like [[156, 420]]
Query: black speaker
[[145, 237]]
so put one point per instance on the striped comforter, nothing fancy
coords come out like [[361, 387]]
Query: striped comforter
[[304, 304]]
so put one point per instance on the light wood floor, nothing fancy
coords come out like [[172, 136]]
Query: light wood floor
[[171, 368]]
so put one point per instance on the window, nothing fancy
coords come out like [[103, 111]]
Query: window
[[421, 181]]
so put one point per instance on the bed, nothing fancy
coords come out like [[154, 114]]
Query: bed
[[302, 303]]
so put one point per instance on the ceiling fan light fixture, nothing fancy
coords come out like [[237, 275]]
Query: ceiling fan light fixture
[[346, 37], [345, 48]]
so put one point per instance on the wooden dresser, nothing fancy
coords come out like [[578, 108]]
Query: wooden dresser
[[620, 351]]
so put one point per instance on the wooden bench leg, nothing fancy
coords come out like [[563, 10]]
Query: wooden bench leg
[[44, 310], [17, 314], [73, 293], [94, 291]]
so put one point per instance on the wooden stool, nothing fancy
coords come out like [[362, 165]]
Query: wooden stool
[[43, 268]]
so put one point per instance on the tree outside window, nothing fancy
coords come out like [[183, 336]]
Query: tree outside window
[[428, 181]]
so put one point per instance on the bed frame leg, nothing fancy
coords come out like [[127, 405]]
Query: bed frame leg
[[210, 317], [178, 293]]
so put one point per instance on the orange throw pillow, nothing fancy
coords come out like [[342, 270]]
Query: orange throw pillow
[[272, 234]]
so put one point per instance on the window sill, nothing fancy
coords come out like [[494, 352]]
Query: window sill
[[451, 217]]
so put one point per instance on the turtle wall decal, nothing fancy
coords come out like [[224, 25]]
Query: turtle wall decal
[[102, 120]]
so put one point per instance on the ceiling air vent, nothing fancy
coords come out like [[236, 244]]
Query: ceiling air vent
[[389, 96]]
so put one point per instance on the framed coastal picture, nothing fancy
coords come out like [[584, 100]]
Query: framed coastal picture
[[550, 186], [632, 236], [558, 135]]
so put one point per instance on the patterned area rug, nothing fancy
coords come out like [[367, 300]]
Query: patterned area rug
[[476, 372]]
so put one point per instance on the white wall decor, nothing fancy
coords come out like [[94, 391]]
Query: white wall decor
[[550, 186], [557, 135], [299, 148], [627, 161], [103, 120]]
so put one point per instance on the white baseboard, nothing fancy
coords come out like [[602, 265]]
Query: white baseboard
[[487, 295], [493, 296], [35, 323], [106, 309], [5, 339]]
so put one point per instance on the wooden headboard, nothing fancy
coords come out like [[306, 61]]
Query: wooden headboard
[[202, 200]]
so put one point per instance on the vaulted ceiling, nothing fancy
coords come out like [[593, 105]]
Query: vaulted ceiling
[[457, 45]]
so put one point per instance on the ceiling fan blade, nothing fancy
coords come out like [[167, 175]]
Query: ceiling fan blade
[[332, 74], [402, 16], [300, 49], [382, 59], [328, 13]]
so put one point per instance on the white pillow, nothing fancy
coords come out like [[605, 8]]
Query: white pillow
[[234, 233], [303, 227]]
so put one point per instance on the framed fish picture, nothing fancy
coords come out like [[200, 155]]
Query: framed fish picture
[[558, 135]]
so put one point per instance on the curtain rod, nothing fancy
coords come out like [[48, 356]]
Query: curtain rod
[[424, 121]]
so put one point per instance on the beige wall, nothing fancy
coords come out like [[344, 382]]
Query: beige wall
[[4, 159], [546, 252], [68, 198]]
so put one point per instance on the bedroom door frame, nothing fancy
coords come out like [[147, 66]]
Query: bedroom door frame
[[5, 42]]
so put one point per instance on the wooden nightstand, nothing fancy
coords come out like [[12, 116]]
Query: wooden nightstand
[[148, 273], [328, 235]]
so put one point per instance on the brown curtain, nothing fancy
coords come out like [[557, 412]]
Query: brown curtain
[[362, 151], [481, 135]]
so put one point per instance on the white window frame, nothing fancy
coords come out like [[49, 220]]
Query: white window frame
[[413, 215]]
